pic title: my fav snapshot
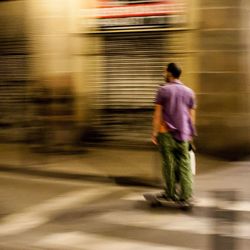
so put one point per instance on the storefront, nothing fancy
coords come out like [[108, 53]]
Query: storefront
[[14, 71], [137, 41]]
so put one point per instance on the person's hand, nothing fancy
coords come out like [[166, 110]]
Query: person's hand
[[154, 140], [191, 146]]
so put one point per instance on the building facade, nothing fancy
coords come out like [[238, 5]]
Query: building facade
[[94, 68]]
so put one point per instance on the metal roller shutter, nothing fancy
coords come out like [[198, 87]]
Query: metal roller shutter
[[13, 88], [14, 73], [133, 70]]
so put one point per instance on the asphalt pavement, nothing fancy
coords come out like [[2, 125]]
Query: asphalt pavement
[[51, 213], [94, 200]]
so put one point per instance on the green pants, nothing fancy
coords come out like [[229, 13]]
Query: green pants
[[176, 167]]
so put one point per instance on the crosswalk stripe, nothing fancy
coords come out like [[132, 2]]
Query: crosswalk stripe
[[78, 240], [37, 215], [171, 222], [206, 202]]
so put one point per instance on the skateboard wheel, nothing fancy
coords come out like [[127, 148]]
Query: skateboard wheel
[[155, 204]]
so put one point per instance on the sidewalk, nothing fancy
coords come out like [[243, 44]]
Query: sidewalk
[[131, 167]]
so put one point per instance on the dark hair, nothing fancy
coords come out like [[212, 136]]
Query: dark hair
[[174, 69]]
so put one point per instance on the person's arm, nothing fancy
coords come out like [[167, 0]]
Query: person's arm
[[192, 114], [192, 109], [157, 118]]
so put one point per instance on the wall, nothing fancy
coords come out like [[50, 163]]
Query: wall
[[223, 97], [14, 71]]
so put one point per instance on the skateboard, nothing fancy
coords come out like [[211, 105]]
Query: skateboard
[[158, 202]]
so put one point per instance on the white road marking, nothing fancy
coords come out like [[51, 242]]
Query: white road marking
[[172, 222], [243, 206], [240, 206], [79, 240], [37, 215]]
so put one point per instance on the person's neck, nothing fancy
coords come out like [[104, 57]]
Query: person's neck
[[174, 80]]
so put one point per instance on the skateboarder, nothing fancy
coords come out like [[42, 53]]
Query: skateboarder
[[173, 129]]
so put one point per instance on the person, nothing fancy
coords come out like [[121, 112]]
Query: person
[[173, 129]]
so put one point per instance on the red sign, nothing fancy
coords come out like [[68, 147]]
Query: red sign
[[118, 9]]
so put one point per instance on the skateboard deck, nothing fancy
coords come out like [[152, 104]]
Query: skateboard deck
[[157, 202]]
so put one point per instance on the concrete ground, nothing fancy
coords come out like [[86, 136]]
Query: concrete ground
[[103, 162], [38, 211]]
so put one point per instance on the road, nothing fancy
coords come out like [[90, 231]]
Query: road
[[46, 213]]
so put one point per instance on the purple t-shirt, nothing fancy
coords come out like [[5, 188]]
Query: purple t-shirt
[[176, 100]]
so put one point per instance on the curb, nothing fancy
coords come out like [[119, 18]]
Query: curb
[[119, 180]]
